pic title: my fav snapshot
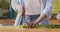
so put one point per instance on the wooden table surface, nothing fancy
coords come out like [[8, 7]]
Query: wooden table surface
[[54, 22], [14, 29], [12, 21]]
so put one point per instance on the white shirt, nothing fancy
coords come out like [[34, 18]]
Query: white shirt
[[32, 7], [16, 6]]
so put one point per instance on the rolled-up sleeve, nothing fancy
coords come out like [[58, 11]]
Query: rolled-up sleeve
[[16, 5], [48, 8]]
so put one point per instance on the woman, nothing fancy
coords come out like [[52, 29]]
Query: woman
[[32, 11]]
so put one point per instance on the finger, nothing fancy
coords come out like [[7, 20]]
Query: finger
[[33, 24], [28, 25]]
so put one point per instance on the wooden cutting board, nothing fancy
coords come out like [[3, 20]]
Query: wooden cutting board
[[14, 29]]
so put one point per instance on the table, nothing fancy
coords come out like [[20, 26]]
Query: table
[[14, 29]]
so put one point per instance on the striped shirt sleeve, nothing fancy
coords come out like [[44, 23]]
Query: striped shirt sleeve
[[21, 2], [48, 8], [16, 5]]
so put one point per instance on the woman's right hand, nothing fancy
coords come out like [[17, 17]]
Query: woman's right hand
[[29, 25]]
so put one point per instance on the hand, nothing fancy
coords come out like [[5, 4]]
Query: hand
[[34, 23], [29, 25]]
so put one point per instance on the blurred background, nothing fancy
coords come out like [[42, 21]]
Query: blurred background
[[8, 15]]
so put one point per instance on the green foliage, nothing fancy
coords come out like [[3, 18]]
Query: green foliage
[[56, 7], [22, 26], [7, 14], [38, 26], [4, 4], [14, 14], [44, 26]]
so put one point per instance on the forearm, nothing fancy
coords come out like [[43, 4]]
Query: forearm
[[46, 11], [23, 11], [40, 18]]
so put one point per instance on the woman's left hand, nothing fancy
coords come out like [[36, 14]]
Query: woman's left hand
[[34, 23]]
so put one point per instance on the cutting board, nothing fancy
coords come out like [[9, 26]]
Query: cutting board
[[15, 29]]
